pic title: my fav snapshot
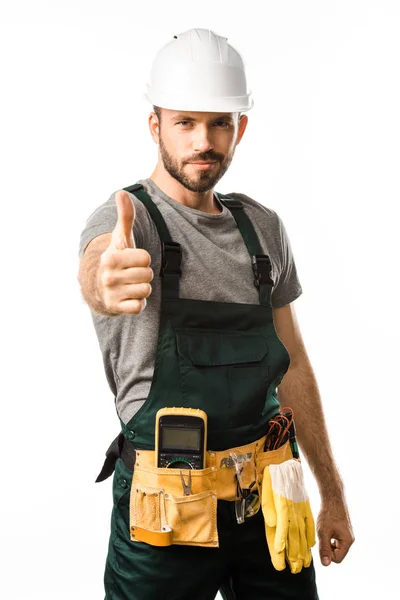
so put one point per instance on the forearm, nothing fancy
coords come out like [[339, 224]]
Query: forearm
[[299, 391]]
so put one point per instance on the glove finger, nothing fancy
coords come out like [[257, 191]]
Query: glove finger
[[293, 532], [278, 484], [310, 526], [303, 546], [296, 566], [292, 551], [309, 520], [267, 499], [305, 518], [277, 558], [282, 523]]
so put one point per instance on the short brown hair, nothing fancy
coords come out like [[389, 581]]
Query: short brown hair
[[157, 110]]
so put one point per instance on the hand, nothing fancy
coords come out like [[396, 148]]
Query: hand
[[124, 274], [335, 532]]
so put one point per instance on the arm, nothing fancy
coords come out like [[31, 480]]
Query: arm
[[299, 390]]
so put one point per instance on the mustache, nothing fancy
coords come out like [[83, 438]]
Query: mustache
[[207, 157]]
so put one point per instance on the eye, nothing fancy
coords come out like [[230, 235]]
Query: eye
[[223, 123]]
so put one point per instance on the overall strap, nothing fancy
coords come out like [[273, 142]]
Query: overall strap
[[260, 262], [172, 254]]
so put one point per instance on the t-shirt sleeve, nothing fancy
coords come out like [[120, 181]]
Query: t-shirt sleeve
[[103, 220], [287, 287]]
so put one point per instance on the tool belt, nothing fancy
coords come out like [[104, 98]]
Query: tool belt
[[179, 506]]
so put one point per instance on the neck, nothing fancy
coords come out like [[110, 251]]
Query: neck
[[203, 201]]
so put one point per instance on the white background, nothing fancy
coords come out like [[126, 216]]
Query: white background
[[321, 148]]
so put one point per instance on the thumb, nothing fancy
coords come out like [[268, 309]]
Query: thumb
[[267, 502], [325, 549], [122, 235]]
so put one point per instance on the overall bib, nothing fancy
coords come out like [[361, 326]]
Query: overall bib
[[226, 359]]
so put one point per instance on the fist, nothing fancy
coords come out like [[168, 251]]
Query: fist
[[124, 273]]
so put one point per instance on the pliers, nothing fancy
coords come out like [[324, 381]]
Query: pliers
[[187, 488]]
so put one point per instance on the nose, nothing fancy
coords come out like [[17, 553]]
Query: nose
[[201, 140]]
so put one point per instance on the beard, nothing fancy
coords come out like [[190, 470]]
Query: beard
[[200, 181]]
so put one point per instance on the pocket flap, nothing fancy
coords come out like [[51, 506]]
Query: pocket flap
[[220, 348]]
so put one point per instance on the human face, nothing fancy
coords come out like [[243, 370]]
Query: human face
[[186, 137]]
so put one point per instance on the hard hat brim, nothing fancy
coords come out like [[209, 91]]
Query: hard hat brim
[[200, 104]]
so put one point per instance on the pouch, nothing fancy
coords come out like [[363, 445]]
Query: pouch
[[161, 514], [226, 481]]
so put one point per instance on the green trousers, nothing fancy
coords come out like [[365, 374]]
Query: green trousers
[[240, 568]]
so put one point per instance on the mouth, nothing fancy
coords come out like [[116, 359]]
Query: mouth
[[202, 165]]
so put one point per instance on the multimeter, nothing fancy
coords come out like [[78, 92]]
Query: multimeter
[[181, 438]]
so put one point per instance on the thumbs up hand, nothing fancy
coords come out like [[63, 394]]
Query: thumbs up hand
[[124, 273]]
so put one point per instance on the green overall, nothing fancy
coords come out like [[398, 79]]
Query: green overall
[[226, 359]]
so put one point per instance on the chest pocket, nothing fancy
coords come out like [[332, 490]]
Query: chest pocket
[[225, 373]]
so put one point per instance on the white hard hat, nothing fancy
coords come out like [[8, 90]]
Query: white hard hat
[[199, 71]]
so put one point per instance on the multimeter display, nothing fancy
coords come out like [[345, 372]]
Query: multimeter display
[[180, 439]]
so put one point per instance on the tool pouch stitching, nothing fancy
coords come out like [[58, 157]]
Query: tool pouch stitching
[[161, 515]]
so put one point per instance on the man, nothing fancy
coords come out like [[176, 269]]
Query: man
[[211, 326]]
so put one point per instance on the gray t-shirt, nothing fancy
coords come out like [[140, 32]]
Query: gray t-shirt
[[215, 266]]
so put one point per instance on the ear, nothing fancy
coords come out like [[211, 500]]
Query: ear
[[154, 127], [243, 120]]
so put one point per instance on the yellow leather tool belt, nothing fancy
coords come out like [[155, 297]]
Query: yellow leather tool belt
[[179, 506]]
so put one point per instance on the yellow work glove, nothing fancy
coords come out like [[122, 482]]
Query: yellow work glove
[[289, 523]]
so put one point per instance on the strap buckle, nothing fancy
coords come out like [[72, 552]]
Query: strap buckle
[[171, 256], [262, 269]]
